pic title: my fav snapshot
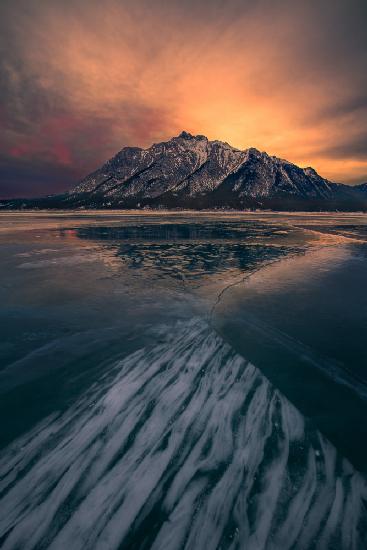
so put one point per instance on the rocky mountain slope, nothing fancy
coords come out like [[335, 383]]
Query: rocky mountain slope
[[192, 172]]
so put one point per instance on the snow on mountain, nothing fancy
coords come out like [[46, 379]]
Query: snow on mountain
[[190, 171], [188, 167]]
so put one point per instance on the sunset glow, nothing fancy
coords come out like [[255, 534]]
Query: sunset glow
[[81, 80]]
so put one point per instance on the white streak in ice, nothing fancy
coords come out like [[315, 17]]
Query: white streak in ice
[[183, 445]]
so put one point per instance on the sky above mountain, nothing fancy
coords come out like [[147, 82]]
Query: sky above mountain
[[80, 79]]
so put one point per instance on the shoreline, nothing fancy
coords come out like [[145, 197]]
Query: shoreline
[[152, 212]]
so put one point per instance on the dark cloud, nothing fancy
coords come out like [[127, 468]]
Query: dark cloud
[[354, 147], [355, 106], [24, 178]]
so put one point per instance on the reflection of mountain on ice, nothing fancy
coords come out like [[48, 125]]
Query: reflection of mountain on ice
[[182, 445]]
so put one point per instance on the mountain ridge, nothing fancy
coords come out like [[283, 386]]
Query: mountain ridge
[[190, 171]]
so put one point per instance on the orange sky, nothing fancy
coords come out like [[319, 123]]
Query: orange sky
[[83, 79]]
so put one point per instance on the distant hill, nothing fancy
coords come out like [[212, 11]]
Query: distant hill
[[192, 172]]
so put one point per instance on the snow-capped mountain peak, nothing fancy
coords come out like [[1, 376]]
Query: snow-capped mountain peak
[[193, 172]]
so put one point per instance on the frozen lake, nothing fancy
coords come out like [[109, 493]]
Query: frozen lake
[[182, 380]]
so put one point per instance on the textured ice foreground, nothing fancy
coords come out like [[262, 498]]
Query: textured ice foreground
[[180, 445]]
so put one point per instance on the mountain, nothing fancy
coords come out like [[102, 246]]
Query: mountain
[[192, 172]]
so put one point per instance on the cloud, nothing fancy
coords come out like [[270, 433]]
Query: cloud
[[82, 79], [354, 147]]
